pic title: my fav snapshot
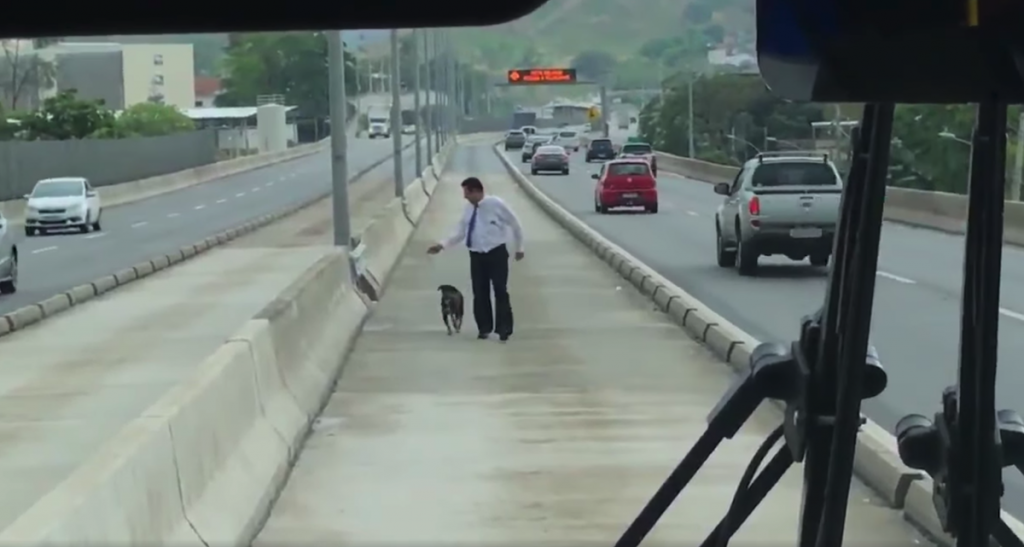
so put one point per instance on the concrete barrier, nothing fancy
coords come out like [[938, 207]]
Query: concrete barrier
[[203, 465], [934, 210], [27, 316], [876, 461], [128, 192], [384, 239]]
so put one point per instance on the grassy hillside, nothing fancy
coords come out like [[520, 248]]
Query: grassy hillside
[[562, 28]]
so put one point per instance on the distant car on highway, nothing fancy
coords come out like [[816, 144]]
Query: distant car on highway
[[528, 130], [779, 204], [569, 139], [600, 149], [532, 144], [379, 127], [625, 183], [8, 257], [550, 158], [515, 139], [640, 150], [409, 129], [62, 203]]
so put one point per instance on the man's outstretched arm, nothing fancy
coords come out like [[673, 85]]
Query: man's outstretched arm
[[457, 236]]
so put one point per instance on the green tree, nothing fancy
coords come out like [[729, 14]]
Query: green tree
[[697, 13], [655, 48], [293, 64], [66, 117], [151, 120], [594, 64], [714, 33]]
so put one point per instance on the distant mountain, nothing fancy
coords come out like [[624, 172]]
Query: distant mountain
[[560, 29]]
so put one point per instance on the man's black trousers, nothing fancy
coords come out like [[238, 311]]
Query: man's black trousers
[[490, 271]]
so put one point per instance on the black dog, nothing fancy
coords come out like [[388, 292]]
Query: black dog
[[451, 307]]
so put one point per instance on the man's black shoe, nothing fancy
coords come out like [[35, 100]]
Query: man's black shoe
[[504, 337], [483, 336]]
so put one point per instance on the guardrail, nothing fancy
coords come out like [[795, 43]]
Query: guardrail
[[935, 210]]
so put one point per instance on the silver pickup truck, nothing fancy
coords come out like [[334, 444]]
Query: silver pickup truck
[[779, 204]]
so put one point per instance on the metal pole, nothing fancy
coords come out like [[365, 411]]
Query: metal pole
[[396, 116], [1018, 163], [339, 146], [689, 101], [452, 75], [416, 98], [427, 118], [606, 124]]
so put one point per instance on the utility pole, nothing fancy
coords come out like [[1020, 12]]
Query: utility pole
[[689, 123], [1018, 167], [427, 118], [452, 78], [416, 98], [446, 99], [396, 115], [606, 118], [339, 144]]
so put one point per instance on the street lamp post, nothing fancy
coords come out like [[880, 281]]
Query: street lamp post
[[744, 142]]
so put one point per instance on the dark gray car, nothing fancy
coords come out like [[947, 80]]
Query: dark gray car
[[550, 158], [514, 140]]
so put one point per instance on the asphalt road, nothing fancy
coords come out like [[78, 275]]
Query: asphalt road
[[139, 231], [917, 300]]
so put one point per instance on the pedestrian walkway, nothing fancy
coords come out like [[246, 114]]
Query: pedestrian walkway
[[556, 438]]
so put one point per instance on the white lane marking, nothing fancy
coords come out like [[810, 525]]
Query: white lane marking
[[896, 278], [692, 213], [172, 215], [282, 179], [96, 235], [139, 224], [240, 194], [221, 200], [1011, 314], [44, 250], [198, 207], [271, 183], [255, 189]]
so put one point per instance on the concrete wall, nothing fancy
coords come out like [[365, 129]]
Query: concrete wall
[[102, 161], [167, 70], [96, 75]]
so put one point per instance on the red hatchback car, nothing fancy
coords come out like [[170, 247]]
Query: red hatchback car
[[625, 183]]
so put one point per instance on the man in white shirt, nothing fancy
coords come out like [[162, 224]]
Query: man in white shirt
[[484, 228]]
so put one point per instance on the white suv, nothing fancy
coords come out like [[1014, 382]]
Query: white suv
[[569, 139], [62, 203], [8, 258]]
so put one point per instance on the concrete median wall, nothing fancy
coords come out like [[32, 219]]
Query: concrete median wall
[[102, 161], [935, 210], [203, 465]]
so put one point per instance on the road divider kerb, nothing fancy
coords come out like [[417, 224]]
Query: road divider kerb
[[939, 211], [205, 463], [876, 461], [32, 314]]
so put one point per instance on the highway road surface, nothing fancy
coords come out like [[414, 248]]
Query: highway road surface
[[139, 231], [917, 300]]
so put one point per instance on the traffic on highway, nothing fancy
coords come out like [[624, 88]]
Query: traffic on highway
[[55, 261], [917, 303]]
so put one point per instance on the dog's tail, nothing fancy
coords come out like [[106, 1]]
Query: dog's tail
[[446, 288]]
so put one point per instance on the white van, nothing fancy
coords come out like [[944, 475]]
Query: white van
[[8, 257], [379, 127], [568, 139]]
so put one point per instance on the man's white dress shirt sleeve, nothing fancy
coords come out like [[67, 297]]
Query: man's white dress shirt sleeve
[[510, 218]]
